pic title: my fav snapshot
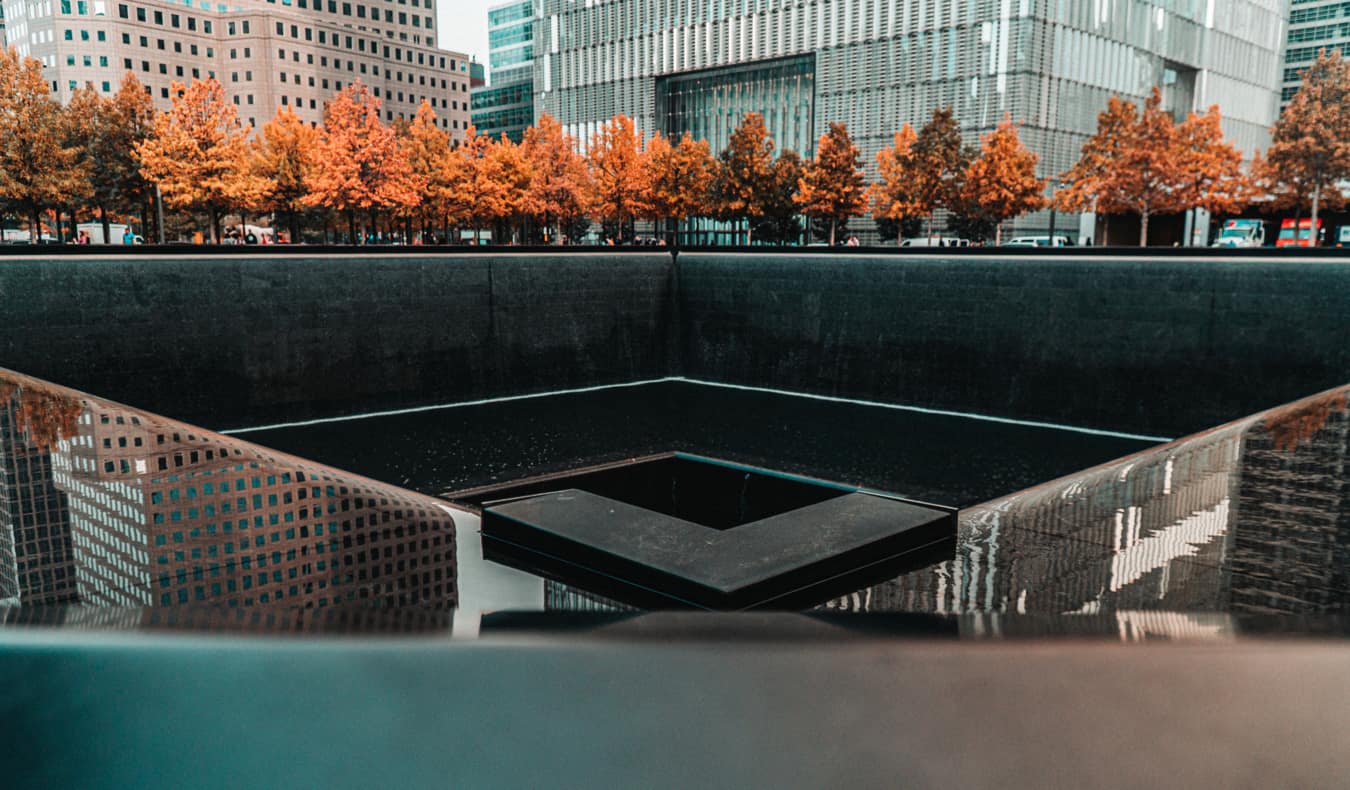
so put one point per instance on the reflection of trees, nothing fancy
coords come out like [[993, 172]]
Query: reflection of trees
[[45, 415], [1294, 424]]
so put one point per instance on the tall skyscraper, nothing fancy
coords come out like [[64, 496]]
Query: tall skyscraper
[[507, 105], [267, 54], [1314, 25], [877, 64]]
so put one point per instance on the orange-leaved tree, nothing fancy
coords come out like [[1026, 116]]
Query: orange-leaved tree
[[940, 160], [198, 153], [125, 121], [895, 195], [1001, 182], [283, 158], [360, 167], [1309, 150], [559, 182], [1147, 176], [1088, 181], [677, 178], [427, 148], [37, 168], [1212, 177], [511, 168], [618, 174], [832, 187], [745, 174]]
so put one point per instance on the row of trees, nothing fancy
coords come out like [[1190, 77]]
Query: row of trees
[[106, 156]]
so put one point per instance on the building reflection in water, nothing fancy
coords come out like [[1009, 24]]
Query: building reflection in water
[[1249, 518], [109, 506]]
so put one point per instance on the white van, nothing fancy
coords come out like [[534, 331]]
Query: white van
[[936, 241], [1038, 241]]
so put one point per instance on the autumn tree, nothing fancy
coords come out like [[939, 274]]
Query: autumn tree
[[124, 121], [832, 188], [1088, 185], [1146, 178], [511, 169], [283, 158], [940, 161], [1211, 167], [744, 173], [359, 165], [199, 152], [559, 182], [37, 168], [618, 173], [1001, 184], [1309, 150], [81, 122], [678, 177], [896, 196], [427, 149], [780, 219]]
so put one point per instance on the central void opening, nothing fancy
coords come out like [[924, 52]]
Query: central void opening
[[711, 493]]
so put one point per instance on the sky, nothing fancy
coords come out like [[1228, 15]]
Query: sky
[[463, 26]]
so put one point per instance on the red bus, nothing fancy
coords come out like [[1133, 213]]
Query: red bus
[[1303, 238]]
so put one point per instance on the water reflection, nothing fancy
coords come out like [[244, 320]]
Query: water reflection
[[105, 505], [1250, 518]]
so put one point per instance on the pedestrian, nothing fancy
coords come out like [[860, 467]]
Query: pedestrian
[[127, 237]]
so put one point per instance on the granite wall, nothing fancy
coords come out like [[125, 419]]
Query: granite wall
[[226, 341], [1165, 346], [1160, 346]]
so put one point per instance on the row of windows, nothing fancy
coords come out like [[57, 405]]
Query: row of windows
[[1330, 11], [175, 20]]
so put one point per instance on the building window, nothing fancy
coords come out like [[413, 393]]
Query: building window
[[122, 11]]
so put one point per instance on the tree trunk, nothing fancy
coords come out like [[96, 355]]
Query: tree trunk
[[930, 228], [832, 230], [998, 235], [107, 227], [35, 230], [749, 230], [351, 226], [1143, 228], [1312, 220], [212, 218]]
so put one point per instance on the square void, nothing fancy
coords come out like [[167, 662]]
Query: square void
[[684, 531]]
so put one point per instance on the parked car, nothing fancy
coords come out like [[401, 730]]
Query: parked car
[[936, 241], [1038, 241]]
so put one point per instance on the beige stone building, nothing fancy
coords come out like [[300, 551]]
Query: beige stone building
[[267, 53]]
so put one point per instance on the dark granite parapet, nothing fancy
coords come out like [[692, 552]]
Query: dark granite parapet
[[1151, 346], [226, 341]]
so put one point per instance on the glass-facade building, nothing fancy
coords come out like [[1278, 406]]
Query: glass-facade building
[[506, 106], [1050, 64], [1314, 25]]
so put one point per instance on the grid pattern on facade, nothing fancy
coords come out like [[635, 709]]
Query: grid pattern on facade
[[1050, 64], [709, 104], [155, 513], [295, 53], [507, 106], [1314, 26]]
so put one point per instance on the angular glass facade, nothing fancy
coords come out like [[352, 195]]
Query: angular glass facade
[[709, 104], [1050, 64], [507, 106]]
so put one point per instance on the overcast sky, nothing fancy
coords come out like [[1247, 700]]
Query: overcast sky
[[463, 26]]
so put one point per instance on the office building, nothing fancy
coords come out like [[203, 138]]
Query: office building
[[1314, 25], [267, 54], [506, 106], [877, 64]]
